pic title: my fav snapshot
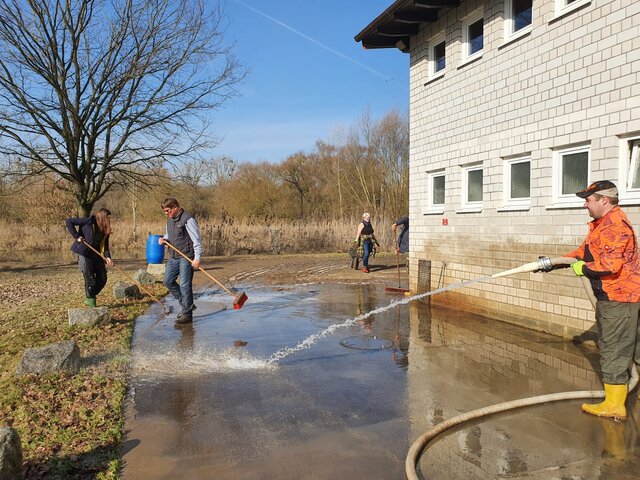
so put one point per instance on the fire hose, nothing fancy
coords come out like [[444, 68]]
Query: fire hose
[[543, 264]]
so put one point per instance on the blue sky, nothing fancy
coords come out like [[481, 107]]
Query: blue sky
[[308, 76]]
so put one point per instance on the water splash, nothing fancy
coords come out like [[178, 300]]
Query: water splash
[[194, 362], [308, 342]]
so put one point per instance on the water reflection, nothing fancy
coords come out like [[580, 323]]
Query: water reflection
[[461, 363], [204, 409]]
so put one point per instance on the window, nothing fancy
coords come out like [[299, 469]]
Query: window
[[570, 174], [472, 184], [564, 6], [518, 17], [633, 180], [437, 191], [629, 184], [437, 56], [517, 182], [473, 36]]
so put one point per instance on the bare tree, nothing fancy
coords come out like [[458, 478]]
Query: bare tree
[[89, 88], [295, 173]]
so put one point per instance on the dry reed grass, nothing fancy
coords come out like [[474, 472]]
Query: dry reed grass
[[218, 239]]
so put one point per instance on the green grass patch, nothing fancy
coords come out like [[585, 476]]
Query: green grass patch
[[70, 426]]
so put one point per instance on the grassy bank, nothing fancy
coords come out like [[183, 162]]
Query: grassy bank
[[218, 239], [70, 426]]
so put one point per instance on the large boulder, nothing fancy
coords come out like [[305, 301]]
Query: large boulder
[[88, 317], [126, 291], [10, 455], [143, 277], [56, 357], [157, 270]]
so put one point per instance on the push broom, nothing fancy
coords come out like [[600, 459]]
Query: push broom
[[239, 299], [165, 309]]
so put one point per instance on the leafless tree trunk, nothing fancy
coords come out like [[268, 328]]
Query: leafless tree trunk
[[294, 173], [89, 88]]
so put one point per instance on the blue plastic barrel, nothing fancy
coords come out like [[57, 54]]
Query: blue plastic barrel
[[155, 251]]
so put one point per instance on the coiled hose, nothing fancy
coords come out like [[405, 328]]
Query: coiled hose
[[544, 264]]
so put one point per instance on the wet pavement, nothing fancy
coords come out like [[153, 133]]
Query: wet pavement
[[350, 405]]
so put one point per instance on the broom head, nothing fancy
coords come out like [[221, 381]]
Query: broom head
[[395, 290], [239, 301]]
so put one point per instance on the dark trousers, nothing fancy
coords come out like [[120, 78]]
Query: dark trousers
[[617, 324], [95, 275]]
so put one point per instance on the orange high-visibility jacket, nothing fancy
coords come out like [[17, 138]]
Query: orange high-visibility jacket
[[611, 255]]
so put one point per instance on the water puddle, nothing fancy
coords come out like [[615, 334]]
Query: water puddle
[[328, 382]]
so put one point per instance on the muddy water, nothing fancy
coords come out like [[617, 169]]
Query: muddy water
[[350, 406]]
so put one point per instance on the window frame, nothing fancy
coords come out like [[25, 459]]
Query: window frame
[[509, 23], [568, 199], [433, 43], [435, 208], [466, 41], [564, 6], [523, 203], [468, 205], [628, 159]]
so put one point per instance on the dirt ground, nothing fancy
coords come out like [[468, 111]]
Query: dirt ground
[[296, 269], [22, 278]]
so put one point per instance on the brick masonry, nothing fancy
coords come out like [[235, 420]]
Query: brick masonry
[[573, 79]]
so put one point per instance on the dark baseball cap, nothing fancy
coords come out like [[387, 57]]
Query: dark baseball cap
[[605, 188]]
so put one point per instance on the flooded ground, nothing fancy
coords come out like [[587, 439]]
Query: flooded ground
[[350, 405]]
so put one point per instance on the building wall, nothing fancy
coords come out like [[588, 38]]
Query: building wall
[[572, 80]]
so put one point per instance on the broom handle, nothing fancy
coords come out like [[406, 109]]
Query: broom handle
[[201, 269], [395, 247], [124, 273]]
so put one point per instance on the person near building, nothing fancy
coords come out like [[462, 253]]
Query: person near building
[[608, 257], [94, 231], [402, 243], [365, 239], [184, 234]]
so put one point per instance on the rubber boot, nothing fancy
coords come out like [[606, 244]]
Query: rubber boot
[[90, 302], [613, 405]]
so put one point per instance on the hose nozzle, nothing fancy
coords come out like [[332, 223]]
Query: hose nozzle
[[545, 264]]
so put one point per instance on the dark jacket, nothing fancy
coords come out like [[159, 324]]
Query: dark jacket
[[85, 228], [403, 238], [178, 235]]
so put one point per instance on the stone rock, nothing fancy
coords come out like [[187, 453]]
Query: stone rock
[[143, 277], [56, 357], [10, 455], [156, 269], [88, 317], [126, 291]]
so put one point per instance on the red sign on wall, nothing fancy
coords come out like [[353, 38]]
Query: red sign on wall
[[445, 221]]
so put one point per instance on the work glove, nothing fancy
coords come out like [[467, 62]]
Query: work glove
[[577, 267]]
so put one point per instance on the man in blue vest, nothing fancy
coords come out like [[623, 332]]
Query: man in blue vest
[[184, 234]]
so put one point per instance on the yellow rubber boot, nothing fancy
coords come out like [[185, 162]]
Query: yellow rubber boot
[[613, 405]]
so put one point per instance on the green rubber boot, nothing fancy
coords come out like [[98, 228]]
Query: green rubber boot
[[90, 302]]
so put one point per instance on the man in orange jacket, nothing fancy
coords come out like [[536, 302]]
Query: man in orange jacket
[[609, 259]]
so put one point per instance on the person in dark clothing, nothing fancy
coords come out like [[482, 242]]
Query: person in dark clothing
[[402, 245], [184, 234], [365, 238], [95, 231]]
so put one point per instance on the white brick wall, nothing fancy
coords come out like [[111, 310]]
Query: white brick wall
[[574, 79]]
